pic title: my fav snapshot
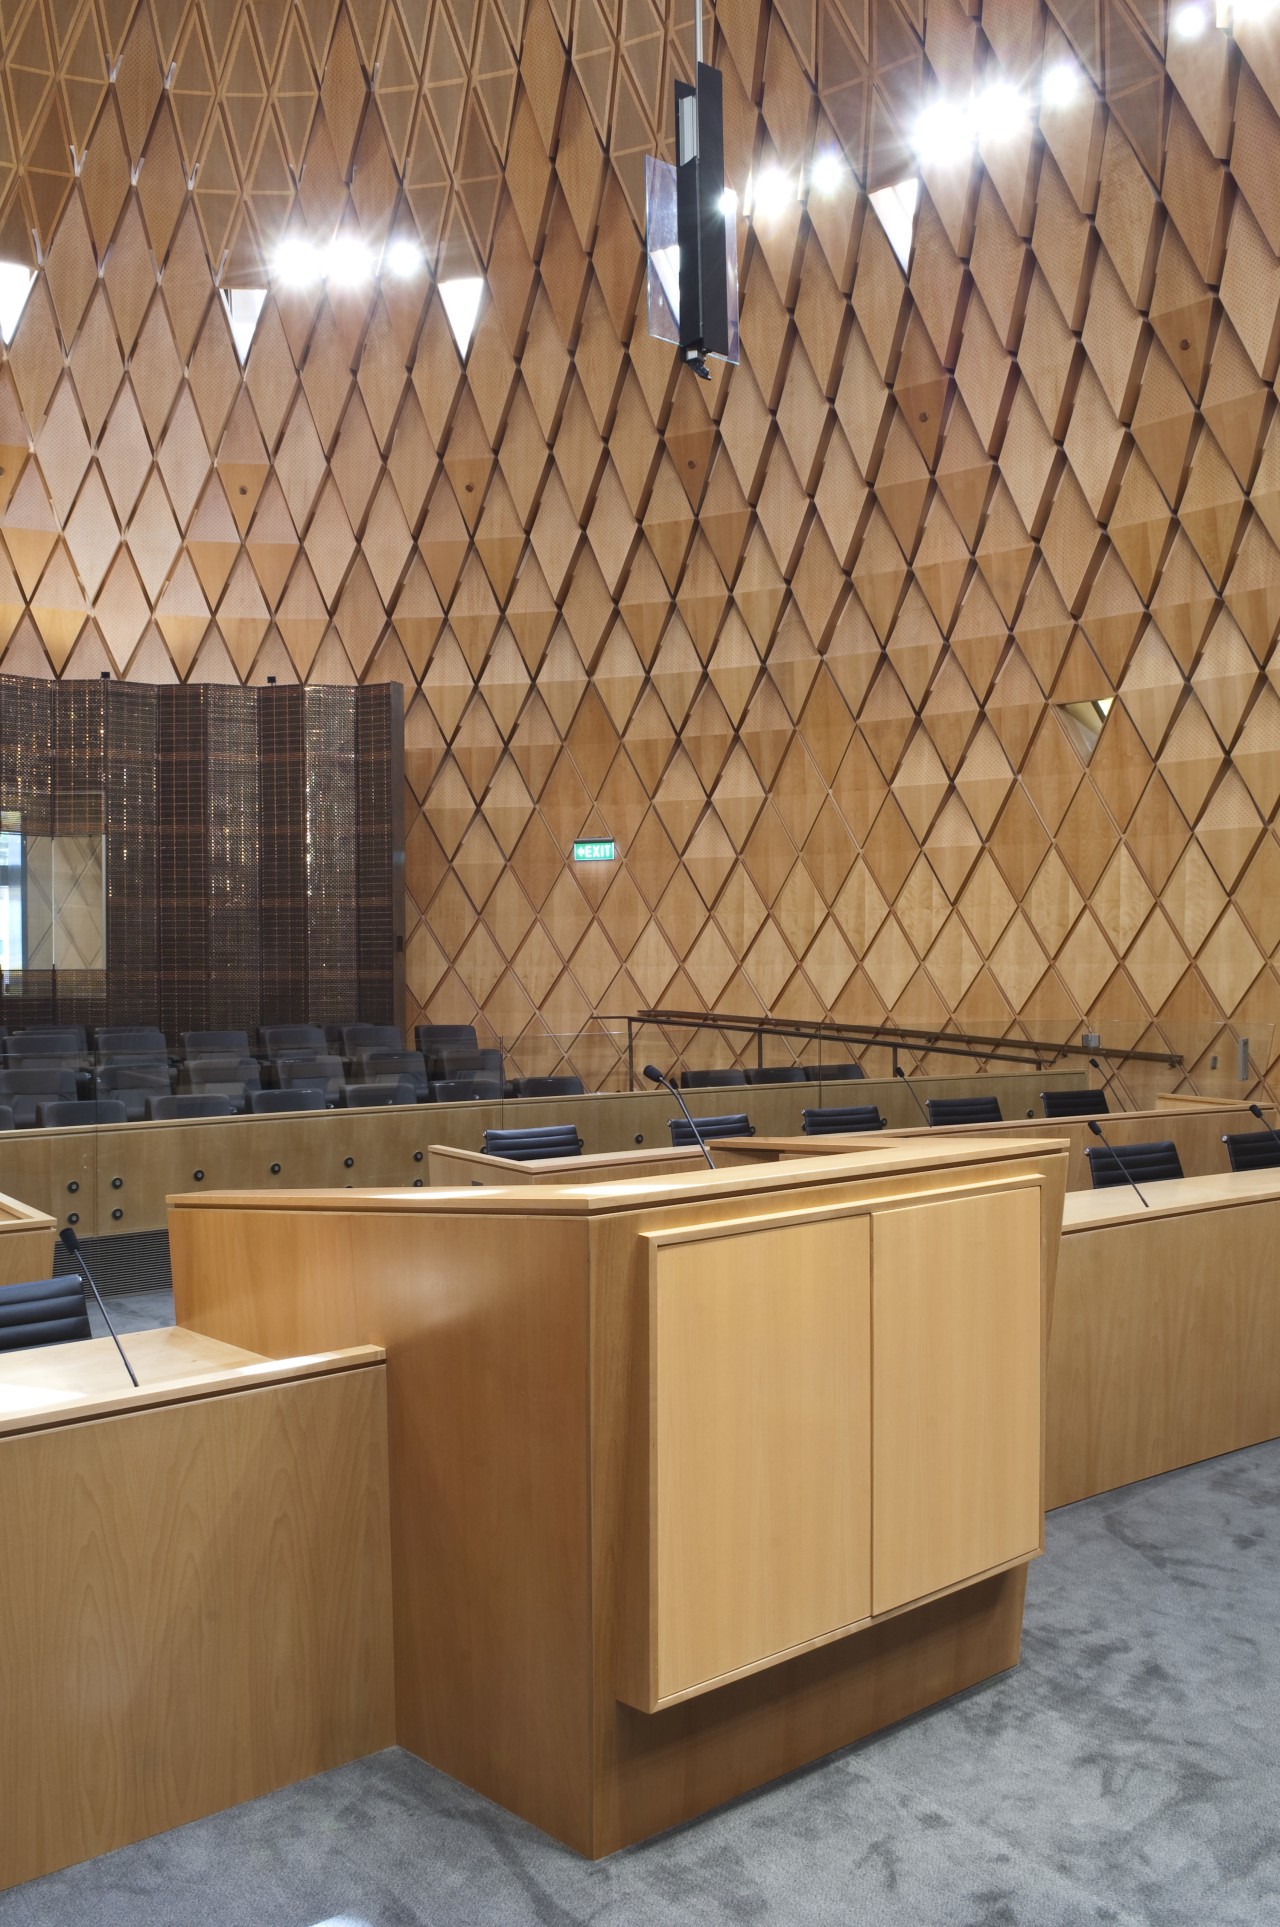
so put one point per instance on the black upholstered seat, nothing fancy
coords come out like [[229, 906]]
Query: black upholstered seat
[[378, 1063], [705, 1080], [354, 1039], [25, 1090], [46, 1311], [833, 1073], [777, 1074], [550, 1087], [1253, 1150], [7, 1120], [215, 1043], [963, 1110], [841, 1118], [730, 1124], [190, 1104], [1092, 1103], [87, 1110], [277, 1038], [132, 1085], [1111, 1164], [391, 1090], [539, 1141], [463, 1090], [264, 1102]]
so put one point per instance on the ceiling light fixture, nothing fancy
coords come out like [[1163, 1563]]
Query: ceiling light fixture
[[15, 285], [1000, 112], [404, 258], [828, 173], [772, 192], [461, 298], [1190, 22], [943, 135], [728, 204], [297, 263], [1061, 84], [347, 262]]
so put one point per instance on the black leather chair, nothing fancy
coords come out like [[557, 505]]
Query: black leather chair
[[841, 1118], [25, 1090], [732, 1124], [549, 1087], [704, 1080], [232, 1077], [190, 1104], [355, 1038], [82, 1110], [1141, 1163], [278, 1038], [130, 1040], [963, 1110], [432, 1039], [377, 1063], [61, 1040], [462, 1090], [833, 1073], [1253, 1150], [263, 1103], [319, 1073], [215, 1043], [360, 1097], [777, 1074], [47, 1311], [1074, 1103], [464, 1060], [7, 1119], [132, 1084], [540, 1141]]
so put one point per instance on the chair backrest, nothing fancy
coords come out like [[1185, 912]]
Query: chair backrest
[[833, 1073], [703, 1080], [245, 1071], [394, 1091], [190, 1104], [1091, 1103], [464, 1060], [542, 1141], [215, 1043], [56, 1040], [281, 1037], [7, 1122], [47, 1311], [550, 1087], [777, 1074], [839, 1118], [261, 1102], [1147, 1163], [90, 1110], [127, 1040], [732, 1124], [361, 1037], [323, 1072], [37, 1083], [964, 1110], [131, 1077], [1253, 1150], [460, 1090], [432, 1038], [21, 1052], [379, 1062]]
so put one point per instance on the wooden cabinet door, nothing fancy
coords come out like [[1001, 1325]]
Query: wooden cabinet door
[[956, 1392]]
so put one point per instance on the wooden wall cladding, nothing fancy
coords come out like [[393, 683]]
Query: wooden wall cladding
[[798, 639]]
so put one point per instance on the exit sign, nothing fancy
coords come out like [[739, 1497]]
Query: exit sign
[[594, 852]]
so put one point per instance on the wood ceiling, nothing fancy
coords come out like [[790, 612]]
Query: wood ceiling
[[798, 640]]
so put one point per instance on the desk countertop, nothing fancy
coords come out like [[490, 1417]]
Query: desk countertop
[[1120, 1204]]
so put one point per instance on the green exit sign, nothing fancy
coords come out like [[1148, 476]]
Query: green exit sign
[[594, 852]]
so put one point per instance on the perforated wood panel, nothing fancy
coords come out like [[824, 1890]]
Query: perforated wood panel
[[796, 640]]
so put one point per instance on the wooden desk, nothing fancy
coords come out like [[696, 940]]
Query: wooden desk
[[26, 1243], [666, 1522], [1166, 1331], [1197, 1129], [448, 1165], [195, 1590]]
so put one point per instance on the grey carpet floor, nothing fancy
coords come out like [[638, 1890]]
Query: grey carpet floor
[[1127, 1772]]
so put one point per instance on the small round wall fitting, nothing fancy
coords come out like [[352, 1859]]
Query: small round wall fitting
[[74, 1185], [117, 1184], [198, 1176], [348, 1162], [117, 1214], [275, 1170], [73, 1217]]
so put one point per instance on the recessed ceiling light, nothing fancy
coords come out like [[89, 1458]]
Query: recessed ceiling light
[[944, 133], [297, 263], [828, 173], [1001, 112], [404, 258], [728, 204], [461, 299], [15, 285], [1061, 84], [771, 193], [1190, 22], [347, 261]]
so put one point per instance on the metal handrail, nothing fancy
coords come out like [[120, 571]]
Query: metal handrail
[[937, 1042]]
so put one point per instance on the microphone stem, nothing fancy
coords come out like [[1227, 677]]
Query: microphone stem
[[669, 1086]]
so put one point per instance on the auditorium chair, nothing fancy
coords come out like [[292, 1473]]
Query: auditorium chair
[[465, 1060], [25, 1090], [132, 1084], [47, 1311], [1141, 1163], [61, 1040], [263, 1103], [833, 1073], [840, 1118], [215, 1043], [777, 1074], [354, 1039], [373, 1065], [116, 1043], [232, 1077], [963, 1110], [189, 1104], [462, 1090], [323, 1074], [549, 1087], [703, 1080], [81, 1110], [280, 1038], [359, 1097], [1074, 1103], [433, 1039], [7, 1120], [539, 1141], [732, 1124], [1253, 1150]]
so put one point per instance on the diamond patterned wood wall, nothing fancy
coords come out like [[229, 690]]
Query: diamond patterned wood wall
[[798, 640]]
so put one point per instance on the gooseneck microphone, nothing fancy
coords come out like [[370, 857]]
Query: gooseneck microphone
[[899, 1072], [1256, 1111], [655, 1076], [1125, 1172], [71, 1244]]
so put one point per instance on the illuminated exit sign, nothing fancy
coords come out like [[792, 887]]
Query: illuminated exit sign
[[594, 852]]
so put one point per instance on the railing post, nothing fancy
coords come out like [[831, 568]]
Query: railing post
[[631, 1059]]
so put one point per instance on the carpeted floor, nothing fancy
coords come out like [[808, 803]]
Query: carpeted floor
[[1128, 1771]]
